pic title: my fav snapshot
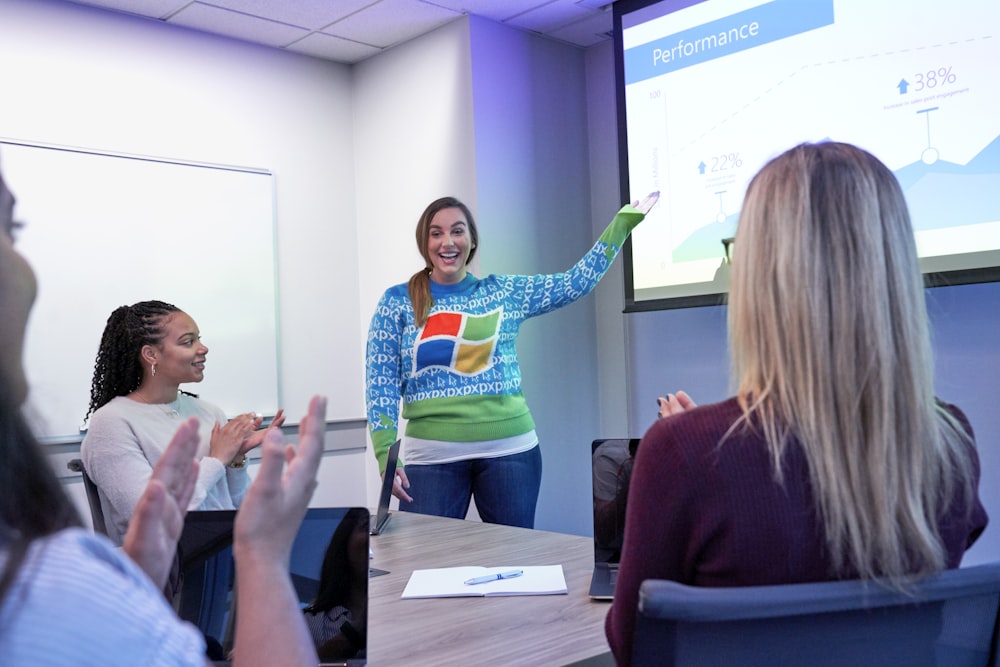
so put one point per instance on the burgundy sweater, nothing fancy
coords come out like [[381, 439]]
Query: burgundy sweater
[[713, 516]]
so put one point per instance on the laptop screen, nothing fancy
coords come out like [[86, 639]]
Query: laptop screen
[[385, 494], [328, 567], [612, 468]]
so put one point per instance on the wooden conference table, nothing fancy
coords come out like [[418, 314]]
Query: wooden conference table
[[519, 630]]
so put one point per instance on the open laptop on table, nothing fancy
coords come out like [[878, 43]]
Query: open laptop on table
[[611, 462], [207, 593], [382, 516]]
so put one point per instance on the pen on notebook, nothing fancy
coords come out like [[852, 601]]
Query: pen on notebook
[[486, 578]]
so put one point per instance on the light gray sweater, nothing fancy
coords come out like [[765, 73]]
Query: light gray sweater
[[126, 438]]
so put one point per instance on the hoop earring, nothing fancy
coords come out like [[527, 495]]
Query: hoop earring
[[152, 367]]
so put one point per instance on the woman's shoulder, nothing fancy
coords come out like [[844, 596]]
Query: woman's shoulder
[[189, 405], [76, 568], [396, 292], [98, 598], [694, 432], [118, 409], [956, 413], [117, 405], [92, 551]]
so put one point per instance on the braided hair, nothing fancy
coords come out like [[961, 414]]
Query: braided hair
[[117, 370]]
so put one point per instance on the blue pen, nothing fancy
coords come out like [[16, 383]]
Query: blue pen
[[486, 578]]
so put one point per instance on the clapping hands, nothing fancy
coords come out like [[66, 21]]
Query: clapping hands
[[673, 404]]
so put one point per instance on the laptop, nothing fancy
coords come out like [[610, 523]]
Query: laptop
[[611, 464], [382, 515], [206, 594]]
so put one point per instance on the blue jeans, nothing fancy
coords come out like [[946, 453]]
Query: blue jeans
[[506, 488]]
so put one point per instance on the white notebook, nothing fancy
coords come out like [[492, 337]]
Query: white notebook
[[449, 582]]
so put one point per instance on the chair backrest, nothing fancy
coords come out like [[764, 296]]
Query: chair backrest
[[93, 499], [948, 619]]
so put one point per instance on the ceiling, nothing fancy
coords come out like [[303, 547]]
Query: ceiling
[[349, 31]]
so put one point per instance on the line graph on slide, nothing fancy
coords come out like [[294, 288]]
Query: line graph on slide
[[914, 87]]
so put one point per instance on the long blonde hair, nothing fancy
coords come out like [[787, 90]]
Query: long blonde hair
[[830, 345], [419, 285]]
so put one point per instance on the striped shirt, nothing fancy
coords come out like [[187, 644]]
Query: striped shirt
[[77, 600]]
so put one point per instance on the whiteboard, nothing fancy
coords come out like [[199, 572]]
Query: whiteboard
[[104, 230]]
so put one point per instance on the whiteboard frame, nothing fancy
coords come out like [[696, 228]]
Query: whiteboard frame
[[100, 241]]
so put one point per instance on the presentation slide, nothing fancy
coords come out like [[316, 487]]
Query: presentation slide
[[715, 89]]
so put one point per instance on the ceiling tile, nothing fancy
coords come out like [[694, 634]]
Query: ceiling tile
[[497, 10], [591, 30], [311, 14], [234, 24], [551, 16], [156, 9], [390, 22], [333, 48], [353, 30]]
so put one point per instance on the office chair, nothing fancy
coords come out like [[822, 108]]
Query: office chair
[[174, 579], [93, 499], [950, 619]]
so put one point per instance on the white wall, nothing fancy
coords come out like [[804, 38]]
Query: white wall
[[613, 398], [532, 168], [76, 76], [413, 132], [964, 321]]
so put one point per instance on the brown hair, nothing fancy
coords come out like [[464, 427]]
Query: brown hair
[[420, 282]]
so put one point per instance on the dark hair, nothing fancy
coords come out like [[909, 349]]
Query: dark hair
[[32, 502], [336, 578], [117, 370], [420, 282]]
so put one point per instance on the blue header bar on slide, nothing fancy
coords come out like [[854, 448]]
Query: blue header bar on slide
[[738, 32]]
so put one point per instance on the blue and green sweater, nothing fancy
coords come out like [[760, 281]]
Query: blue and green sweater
[[458, 375]]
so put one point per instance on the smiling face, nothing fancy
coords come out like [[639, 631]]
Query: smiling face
[[180, 355], [17, 294], [449, 245]]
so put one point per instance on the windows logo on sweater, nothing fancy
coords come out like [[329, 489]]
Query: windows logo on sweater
[[458, 342]]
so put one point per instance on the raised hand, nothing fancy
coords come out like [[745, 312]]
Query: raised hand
[[647, 202], [673, 404], [156, 524], [270, 628], [257, 436]]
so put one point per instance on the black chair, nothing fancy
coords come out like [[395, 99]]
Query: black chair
[[948, 619], [93, 499]]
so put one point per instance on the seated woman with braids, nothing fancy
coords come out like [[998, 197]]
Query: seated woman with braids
[[147, 351]]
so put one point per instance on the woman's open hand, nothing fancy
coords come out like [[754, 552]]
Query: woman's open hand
[[256, 437], [647, 203]]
